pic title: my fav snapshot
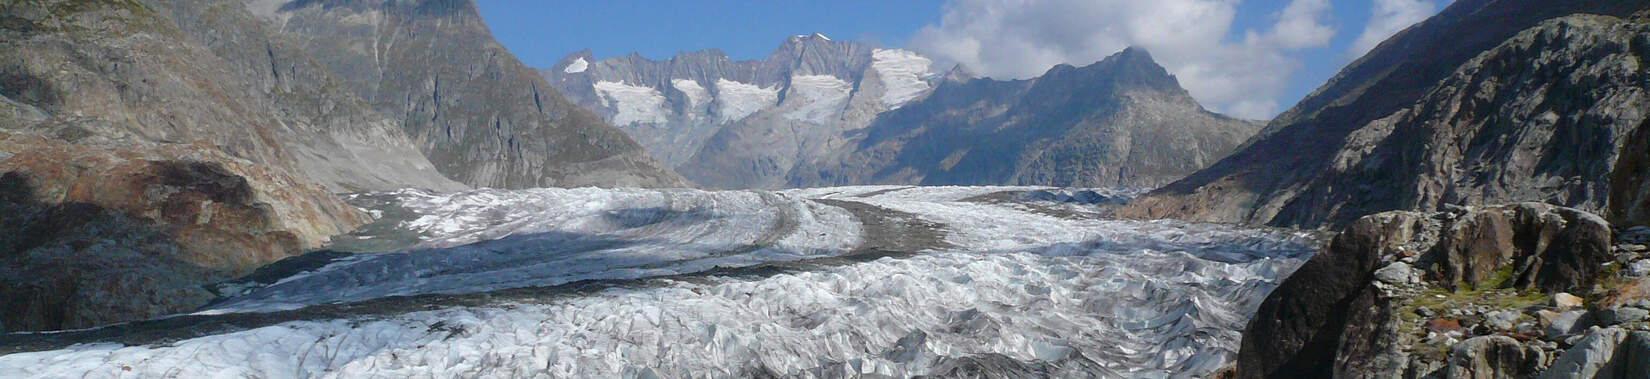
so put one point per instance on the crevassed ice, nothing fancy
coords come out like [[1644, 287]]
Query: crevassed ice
[[901, 72], [739, 100], [632, 104], [820, 97], [577, 66], [1020, 289], [486, 240]]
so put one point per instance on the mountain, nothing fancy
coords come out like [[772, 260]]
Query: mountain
[[481, 117], [1122, 121], [149, 149], [1472, 106], [143, 154], [745, 124]]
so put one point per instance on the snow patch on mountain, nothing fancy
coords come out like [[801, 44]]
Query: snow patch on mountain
[[902, 74], [632, 104], [739, 100], [578, 66], [821, 97]]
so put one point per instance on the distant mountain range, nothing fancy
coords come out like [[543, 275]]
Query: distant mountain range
[[823, 112]]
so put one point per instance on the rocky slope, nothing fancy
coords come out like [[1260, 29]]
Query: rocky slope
[[745, 124], [1490, 101], [1123, 121], [481, 117], [151, 148], [1465, 293], [140, 163]]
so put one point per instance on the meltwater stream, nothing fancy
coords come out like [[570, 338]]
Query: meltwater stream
[[829, 282]]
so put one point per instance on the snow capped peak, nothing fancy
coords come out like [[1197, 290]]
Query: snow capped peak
[[821, 36], [578, 66]]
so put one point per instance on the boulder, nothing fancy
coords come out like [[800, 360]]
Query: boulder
[[1605, 353], [1564, 300], [1299, 327], [1639, 268], [1543, 246], [1618, 315], [1493, 357], [1501, 320], [1395, 273], [1567, 324]]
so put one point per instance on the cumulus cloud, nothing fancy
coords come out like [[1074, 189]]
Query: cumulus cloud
[[1011, 39], [1387, 17]]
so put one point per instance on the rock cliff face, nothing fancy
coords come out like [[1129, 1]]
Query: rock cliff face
[[143, 161], [745, 124], [481, 116], [1490, 101], [1123, 121], [1396, 293]]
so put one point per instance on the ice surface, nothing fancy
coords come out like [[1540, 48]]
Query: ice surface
[[1026, 289], [901, 72], [738, 100], [632, 104], [821, 97], [492, 239], [577, 66]]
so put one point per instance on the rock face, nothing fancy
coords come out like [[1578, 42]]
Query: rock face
[[745, 124], [1490, 101], [1123, 121], [481, 117], [95, 234], [1493, 357], [1333, 318]]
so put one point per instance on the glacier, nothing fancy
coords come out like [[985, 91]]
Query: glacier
[[845, 281], [902, 74], [633, 104]]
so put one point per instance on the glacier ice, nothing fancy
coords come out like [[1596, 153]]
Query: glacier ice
[[632, 104], [821, 97], [738, 100], [1022, 284], [902, 73]]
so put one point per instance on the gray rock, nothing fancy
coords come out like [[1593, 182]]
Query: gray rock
[[1638, 234], [1493, 357], [1395, 273], [1639, 268], [1502, 320], [1567, 324], [1594, 356], [1620, 315]]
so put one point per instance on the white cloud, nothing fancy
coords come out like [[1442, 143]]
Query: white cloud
[[1386, 18], [1023, 38]]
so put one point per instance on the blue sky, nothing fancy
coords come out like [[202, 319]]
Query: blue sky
[[1251, 58]]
